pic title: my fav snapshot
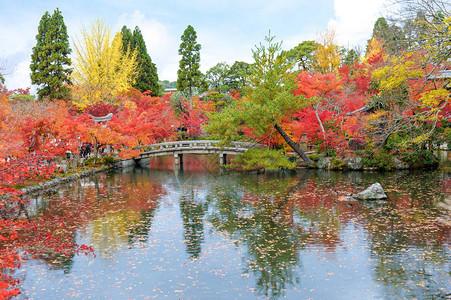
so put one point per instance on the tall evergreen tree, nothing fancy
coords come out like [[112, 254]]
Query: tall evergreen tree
[[392, 35], [147, 77], [127, 39], [350, 56], [50, 62], [188, 75]]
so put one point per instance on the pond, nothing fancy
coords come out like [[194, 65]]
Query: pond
[[211, 235]]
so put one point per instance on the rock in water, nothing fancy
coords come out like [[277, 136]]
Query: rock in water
[[374, 192]]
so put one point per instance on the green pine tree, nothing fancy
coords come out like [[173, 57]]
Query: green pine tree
[[350, 56], [302, 55], [127, 39], [50, 62], [269, 101], [189, 76], [147, 77], [392, 35]]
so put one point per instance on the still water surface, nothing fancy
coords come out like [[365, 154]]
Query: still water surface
[[206, 235]]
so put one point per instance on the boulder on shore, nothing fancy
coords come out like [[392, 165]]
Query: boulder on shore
[[323, 163], [399, 165], [354, 163], [374, 192], [446, 204]]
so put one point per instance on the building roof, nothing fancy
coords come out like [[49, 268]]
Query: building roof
[[444, 74]]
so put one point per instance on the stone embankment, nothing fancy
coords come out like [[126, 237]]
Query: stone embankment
[[62, 180], [118, 164]]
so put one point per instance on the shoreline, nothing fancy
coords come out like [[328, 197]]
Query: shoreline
[[125, 163], [58, 181]]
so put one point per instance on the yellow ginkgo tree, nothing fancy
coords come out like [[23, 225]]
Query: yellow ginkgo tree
[[101, 69], [412, 99], [327, 57]]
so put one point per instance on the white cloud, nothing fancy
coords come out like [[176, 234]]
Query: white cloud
[[15, 51], [163, 42], [17, 38], [354, 20], [168, 71], [218, 48], [19, 77]]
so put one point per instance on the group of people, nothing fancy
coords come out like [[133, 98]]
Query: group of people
[[85, 149]]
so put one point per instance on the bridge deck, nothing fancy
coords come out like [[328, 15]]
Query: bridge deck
[[195, 147]]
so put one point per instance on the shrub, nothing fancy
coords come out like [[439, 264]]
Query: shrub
[[381, 160], [337, 164], [420, 158], [315, 157], [89, 161], [257, 159], [108, 160]]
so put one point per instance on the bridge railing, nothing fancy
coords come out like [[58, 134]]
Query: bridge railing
[[197, 144]]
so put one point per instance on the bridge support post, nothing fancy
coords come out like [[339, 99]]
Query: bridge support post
[[222, 158], [178, 160], [144, 162]]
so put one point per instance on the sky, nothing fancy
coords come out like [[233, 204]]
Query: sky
[[227, 30]]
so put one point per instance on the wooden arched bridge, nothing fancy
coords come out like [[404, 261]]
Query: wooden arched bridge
[[192, 147]]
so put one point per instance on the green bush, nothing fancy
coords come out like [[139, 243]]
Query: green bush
[[380, 160], [364, 153], [89, 161], [293, 159], [257, 159], [420, 158], [315, 157], [325, 151], [337, 164], [108, 160]]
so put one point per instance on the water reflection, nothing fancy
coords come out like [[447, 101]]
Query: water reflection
[[193, 211], [272, 221], [411, 249], [257, 216], [272, 249], [140, 232]]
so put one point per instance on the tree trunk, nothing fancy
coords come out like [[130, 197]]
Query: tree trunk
[[96, 149], [293, 145], [315, 107]]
